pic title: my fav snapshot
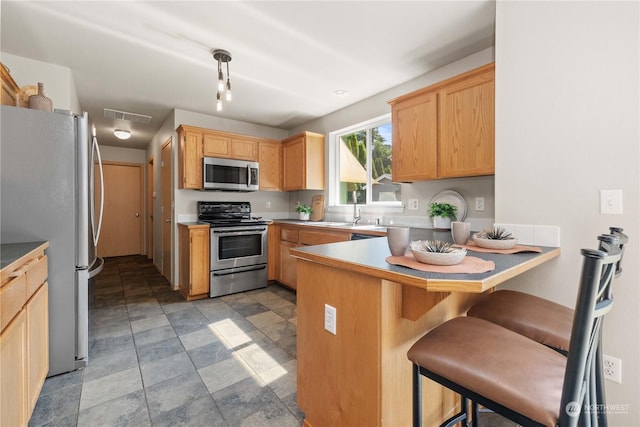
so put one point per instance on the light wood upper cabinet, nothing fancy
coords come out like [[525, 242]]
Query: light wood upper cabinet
[[303, 162], [415, 125], [215, 145], [196, 143], [270, 160], [190, 157], [467, 122], [446, 130], [229, 146], [244, 149]]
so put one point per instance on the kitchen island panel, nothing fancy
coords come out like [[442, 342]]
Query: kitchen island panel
[[338, 380], [361, 375]]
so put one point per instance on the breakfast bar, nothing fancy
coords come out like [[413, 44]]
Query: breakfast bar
[[361, 375]]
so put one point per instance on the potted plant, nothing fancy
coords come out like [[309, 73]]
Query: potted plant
[[303, 211], [442, 214]]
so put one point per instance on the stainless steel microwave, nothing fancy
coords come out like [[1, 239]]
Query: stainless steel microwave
[[229, 174]]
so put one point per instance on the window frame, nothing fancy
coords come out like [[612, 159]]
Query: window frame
[[334, 163]]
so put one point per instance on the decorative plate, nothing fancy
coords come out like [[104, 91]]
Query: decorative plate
[[453, 198]]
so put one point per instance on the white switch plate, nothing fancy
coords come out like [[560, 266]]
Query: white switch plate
[[330, 318], [479, 204], [611, 202], [414, 204]]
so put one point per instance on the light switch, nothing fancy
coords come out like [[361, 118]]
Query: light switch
[[611, 202]]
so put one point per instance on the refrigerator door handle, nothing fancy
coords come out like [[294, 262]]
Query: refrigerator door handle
[[95, 152]]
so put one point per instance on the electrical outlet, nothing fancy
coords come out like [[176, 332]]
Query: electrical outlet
[[612, 368], [330, 318], [479, 203], [414, 204]]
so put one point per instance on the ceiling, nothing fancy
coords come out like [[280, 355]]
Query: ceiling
[[288, 57]]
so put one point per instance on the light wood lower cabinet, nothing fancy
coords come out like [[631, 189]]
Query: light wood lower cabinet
[[194, 260], [37, 310], [13, 371], [292, 237], [287, 265], [24, 337]]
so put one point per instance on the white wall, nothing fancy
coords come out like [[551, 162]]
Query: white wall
[[58, 81], [124, 155], [567, 112]]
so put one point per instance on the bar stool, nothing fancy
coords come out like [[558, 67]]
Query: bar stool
[[513, 375], [539, 319], [547, 322]]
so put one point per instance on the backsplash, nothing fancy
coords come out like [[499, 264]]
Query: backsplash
[[527, 234]]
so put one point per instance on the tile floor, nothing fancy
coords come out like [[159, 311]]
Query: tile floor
[[158, 360], [155, 359]]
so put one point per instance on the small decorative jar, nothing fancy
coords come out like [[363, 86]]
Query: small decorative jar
[[39, 101]]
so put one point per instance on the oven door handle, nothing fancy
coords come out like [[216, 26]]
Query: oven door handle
[[239, 233], [239, 270]]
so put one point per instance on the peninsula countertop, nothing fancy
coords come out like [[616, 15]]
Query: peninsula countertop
[[368, 256]]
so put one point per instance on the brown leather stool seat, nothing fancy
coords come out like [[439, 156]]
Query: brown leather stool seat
[[471, 352], [539, 319]]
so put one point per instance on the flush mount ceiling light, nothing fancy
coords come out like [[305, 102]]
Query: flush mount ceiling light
[[222, 56], [122, 133]]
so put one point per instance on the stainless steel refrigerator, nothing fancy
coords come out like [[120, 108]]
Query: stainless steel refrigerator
[[46, 193]]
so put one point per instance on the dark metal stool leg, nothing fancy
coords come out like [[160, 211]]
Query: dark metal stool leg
[[417, 396], [476, 414]]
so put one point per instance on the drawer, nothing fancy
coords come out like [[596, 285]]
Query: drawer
[[36, 274], [13, 295], [319, 238], [289, 235]]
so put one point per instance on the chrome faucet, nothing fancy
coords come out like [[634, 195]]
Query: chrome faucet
[[356, 215]]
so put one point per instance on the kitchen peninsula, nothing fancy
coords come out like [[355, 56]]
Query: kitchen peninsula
[[361, 375]]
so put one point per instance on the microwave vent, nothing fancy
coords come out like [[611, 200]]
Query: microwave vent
[[123, 115]]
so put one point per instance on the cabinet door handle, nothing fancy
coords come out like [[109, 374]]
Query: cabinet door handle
[[167, 220]]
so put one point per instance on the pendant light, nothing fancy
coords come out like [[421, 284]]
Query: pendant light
[[222, 56]]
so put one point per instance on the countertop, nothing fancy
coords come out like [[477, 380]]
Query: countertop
[[13, 252], [368, 256]]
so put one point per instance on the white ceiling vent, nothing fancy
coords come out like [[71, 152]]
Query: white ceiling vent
[[122, 115]]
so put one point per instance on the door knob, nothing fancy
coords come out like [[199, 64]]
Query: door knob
[[137, 215]]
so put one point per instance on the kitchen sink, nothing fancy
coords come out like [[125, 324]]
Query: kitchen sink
[[347, 225], [329, 223]]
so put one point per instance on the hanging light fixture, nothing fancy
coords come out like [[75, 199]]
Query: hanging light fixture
[[222, 56]]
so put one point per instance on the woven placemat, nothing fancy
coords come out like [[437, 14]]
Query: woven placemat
[[471, 246], [469, 264]]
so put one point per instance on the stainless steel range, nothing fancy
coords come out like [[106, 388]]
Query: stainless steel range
[[238, 247]]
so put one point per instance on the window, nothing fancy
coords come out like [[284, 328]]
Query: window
[[362, 163]]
